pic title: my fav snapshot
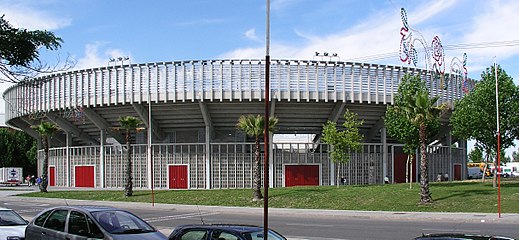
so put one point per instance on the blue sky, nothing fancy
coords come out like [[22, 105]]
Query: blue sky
[[165, 30]]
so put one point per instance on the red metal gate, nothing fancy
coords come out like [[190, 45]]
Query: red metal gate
[[301, 175], [84, 176], [457, 171], [400, 160], [178, 177], [52, 176]]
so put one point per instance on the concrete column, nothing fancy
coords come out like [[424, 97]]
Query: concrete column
[[67, 158], [271, 161], [383, 138], [208, 157], [102, 161], [333, 180], [451, 167], [464, 160]]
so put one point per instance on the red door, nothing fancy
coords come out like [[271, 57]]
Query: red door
[[301, 175], [84, 176], [178, 177], [457, 172], [52, 176], [400, 160]]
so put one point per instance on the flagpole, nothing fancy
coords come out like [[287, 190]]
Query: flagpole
[[498, 167]]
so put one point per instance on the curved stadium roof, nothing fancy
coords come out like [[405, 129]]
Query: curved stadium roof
[[214, 93]]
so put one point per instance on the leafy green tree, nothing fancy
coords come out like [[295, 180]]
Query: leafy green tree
[[254, 126], [420, 110], [474, 116], [343, 141], [19, 52], [399, 127], [515, 156], [46, 130], [128, 124], [476, 155], [16, 150]]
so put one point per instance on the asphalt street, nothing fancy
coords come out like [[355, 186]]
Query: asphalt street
[[293, 223]]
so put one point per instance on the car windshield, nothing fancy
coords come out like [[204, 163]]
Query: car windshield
[[121, 222], [11, 218], [259, 236]]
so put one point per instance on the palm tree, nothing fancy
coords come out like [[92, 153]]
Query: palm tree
[[129, 123], [46, 130], [419, 109], [254, 127]]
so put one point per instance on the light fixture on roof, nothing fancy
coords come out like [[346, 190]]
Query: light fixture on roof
[[118, 59], [326, 54]]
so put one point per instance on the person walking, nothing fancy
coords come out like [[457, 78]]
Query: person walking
[[28, 180]]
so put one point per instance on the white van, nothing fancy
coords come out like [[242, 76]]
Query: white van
[[474, 172]]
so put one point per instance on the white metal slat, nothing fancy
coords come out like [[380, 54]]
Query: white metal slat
[[230, 81], [325, 78], [352, 86], [376, 84], [157, 82], [307, 81], [385, 84], [174, 76], [240, 82], [369, 84], [221, 81], [361, 85], [116, 88], [193, 82], [250, 81], [316, 84]]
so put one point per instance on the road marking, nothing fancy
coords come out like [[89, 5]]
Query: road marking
[[181, 216], [450, 230], [312, 238], [26, 204], [309, 225]]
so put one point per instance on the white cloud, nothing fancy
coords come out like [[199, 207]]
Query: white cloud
[[21, 16], [357, 41], [251, 34], [496, 22], [93, 58]]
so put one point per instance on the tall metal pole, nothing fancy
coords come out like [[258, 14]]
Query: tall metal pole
[[266, 129], [498, 167]]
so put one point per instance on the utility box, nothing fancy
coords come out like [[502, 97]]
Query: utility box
[[11, 175]]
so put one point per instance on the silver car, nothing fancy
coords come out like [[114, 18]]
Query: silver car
[[89, 222], [12, 225]]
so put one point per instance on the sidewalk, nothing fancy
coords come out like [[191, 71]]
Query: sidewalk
[[510, 218]]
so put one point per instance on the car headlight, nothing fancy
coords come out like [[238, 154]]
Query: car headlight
[[13, 238]]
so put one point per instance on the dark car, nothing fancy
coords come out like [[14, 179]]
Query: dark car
[[460, 236], [89, 222], [222, 232]]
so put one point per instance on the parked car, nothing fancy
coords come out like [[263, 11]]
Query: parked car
[[12, 225], [222, 232], [474, 172], [89, 222], [460, 236]]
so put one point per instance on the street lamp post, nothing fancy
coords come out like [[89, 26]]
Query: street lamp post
[[266, 128], [498, 167]]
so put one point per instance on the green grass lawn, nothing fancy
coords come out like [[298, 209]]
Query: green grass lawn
[[466, 196]]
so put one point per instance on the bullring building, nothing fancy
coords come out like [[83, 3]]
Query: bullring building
[[189, 110]]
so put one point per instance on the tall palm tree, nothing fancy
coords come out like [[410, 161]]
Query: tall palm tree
[[419, 109], [46, 130], [129, 123], [254, 127]]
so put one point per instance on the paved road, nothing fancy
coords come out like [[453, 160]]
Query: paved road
[[294, 223]]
